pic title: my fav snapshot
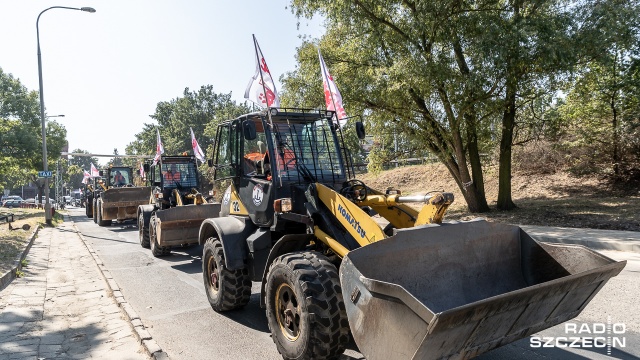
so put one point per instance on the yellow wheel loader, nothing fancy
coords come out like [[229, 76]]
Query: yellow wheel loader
[[175, 208], [295, 220], [118, 198]]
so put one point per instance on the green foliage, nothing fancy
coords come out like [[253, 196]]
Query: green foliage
[[21, 134], [454, 78], [201, 110], [602, 115]]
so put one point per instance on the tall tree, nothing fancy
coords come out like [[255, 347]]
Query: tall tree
[[21, 135], [444, 71], [201, 110]]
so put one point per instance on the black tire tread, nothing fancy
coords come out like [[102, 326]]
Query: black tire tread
[[143, 232], [102, 222], [156, 250], [323, 298], [235, 284]]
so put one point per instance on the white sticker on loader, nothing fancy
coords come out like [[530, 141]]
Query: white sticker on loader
[[258, 194]]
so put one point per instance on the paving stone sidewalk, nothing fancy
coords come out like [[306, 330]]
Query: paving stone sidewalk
[[61, 308]]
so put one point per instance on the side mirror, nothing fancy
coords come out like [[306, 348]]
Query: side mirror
[[249, 130], [101, 172], [146, 168], [210, 162], [360, 130]]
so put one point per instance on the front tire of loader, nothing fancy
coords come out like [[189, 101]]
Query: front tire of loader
[[226, 289], [143, 232], [305, 309], [156, 249]]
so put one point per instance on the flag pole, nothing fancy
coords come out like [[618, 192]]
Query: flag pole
[[264, 88]]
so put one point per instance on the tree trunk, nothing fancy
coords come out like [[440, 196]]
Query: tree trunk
[[477, 177], [504, 173], [614, 124], [475, 199], [513, 74]]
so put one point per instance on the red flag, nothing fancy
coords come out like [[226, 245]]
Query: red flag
[[159, 149], [197, 151], [332, 95], [261, 89]]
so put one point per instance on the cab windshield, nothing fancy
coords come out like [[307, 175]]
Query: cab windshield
[[307, 150], [179, 174], [120, 177]]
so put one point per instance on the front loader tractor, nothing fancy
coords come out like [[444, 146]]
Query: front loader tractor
[[175, 208], [294, 219], [119, 198]]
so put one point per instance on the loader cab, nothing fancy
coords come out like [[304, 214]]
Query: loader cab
[[119, 176], [173, 172], [269, 156]]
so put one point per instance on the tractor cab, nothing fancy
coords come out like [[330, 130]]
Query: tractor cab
[[275, 155], [118, 176], [171, 174]]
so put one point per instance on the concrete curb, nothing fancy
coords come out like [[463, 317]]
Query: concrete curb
[[593, 239], [8, 277], [151, 347]]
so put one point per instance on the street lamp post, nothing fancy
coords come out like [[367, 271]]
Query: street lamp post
[[47, 206]]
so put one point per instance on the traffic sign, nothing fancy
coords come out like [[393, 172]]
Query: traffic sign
[[45, 174]]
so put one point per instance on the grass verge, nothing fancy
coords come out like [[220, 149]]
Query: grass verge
[[13, 242]]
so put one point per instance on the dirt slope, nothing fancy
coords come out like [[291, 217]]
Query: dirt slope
[[558, 199]]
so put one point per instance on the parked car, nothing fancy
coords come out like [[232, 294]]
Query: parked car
[[12, 203], [12, 198], [37, 201]]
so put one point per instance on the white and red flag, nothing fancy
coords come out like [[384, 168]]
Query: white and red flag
[[332, 95], [141, 170], [197, 151], [159, 148], [261, 89], [86, 176], [94, 171]]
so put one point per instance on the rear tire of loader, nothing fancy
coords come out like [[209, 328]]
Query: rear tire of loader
[[156, 249], [100, 221], [226, 289], [94, 211], [305, 309], [88, 210], [143, 232]]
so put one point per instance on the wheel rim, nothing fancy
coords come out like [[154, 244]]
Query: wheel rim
[[214, 278], [288, 312]]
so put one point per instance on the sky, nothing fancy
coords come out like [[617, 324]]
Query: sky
[[106, 71]]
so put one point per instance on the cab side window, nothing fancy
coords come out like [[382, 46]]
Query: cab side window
[[226, 156]]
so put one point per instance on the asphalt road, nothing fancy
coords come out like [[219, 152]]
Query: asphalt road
[[168, 295]]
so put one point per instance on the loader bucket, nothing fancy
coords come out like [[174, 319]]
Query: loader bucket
[[126, 196], [181, 224], [459, 290], [122, 203]]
